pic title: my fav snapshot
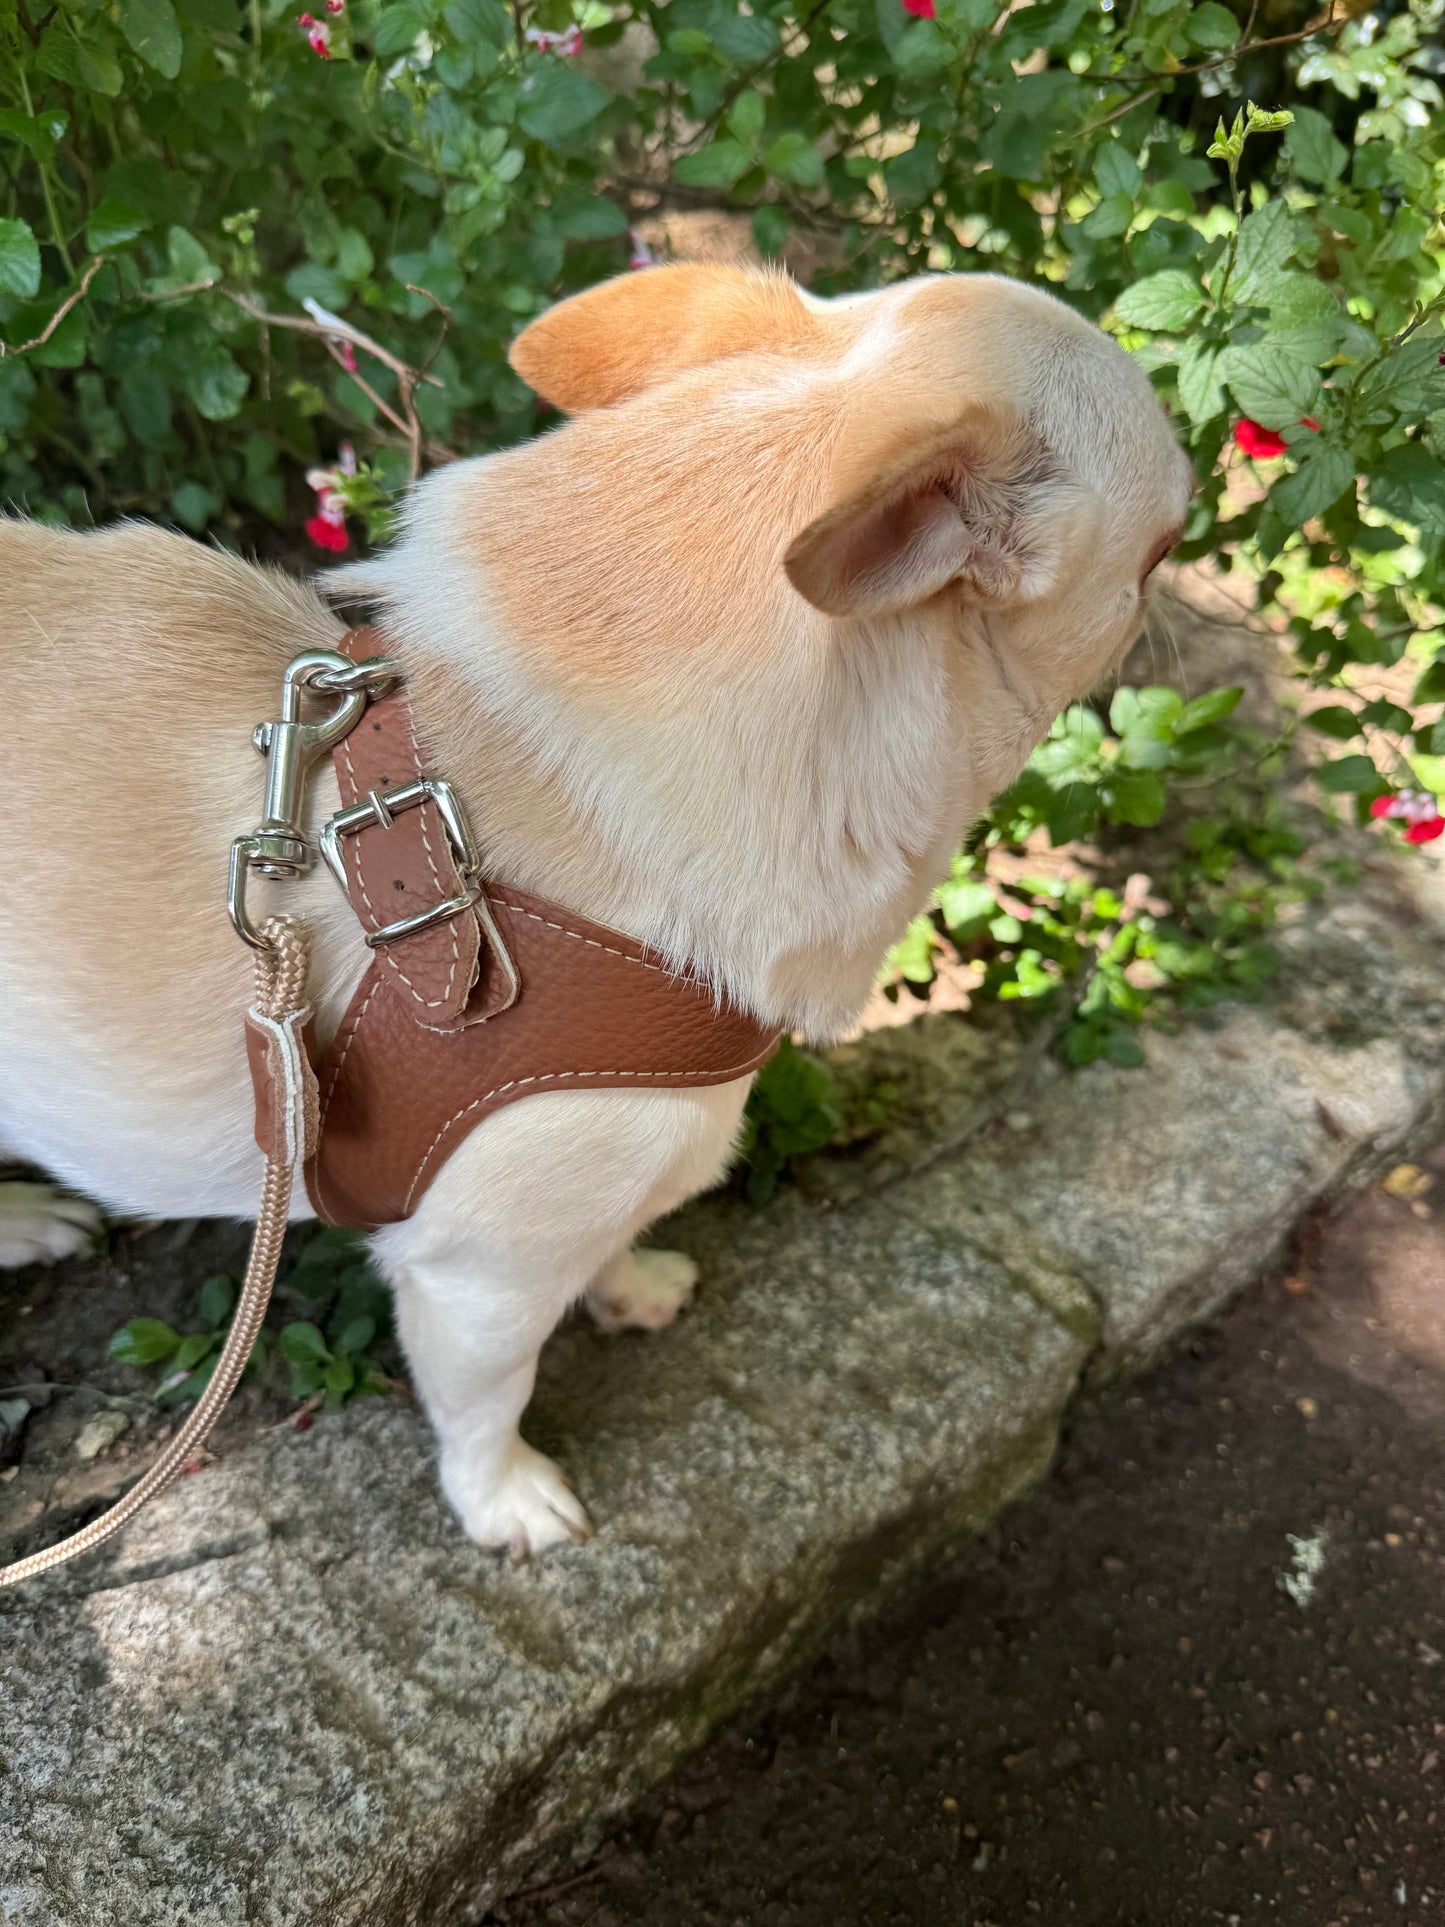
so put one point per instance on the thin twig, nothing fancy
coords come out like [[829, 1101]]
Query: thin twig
[[96, 264]]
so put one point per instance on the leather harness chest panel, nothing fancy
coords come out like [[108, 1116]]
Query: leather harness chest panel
[[507, 997]]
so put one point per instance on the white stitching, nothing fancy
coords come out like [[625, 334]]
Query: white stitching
[[592, 943], [427, 1003], [552, 1077]]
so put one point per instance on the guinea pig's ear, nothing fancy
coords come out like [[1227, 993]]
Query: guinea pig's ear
[[982, 503], [626, 334]]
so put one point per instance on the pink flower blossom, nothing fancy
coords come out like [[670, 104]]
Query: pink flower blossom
[[922, 9], [318, 35], [335, 7], [1418, 810], [642, 255], [348, 356], [566, 43]]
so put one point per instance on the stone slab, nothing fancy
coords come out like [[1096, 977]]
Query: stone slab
[[294, 1696]]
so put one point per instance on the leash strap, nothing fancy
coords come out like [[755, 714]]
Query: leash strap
[[279, 1015]]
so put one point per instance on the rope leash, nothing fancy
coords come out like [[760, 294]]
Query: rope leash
[[280, 993]]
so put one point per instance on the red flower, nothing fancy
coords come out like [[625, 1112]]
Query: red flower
[[1263, 443], [922, 9], [327, 533], [1418, 810]]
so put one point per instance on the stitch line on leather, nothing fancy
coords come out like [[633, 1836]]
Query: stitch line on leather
[[428, 1003], [552, 1077], [626, 955]]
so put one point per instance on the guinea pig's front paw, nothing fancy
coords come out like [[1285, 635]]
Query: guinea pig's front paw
[[39, 1224], [526, 1507]]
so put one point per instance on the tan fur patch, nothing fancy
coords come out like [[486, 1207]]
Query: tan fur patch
[[616, 339]]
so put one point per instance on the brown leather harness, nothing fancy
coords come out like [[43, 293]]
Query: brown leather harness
[[476, 995], [508, 996]]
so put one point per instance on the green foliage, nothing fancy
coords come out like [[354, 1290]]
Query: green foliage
[[222, 257], [799, 1104], [330, 1352]]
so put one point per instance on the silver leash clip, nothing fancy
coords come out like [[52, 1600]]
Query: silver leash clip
[[279, 847]]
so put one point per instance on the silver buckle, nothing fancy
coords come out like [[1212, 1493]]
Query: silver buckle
[[379, 808]]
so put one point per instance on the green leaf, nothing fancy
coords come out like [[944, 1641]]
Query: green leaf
[[1267, 239], [339, 1376], [1135, 796], [398, 29], [743, 37], [1212, 27], [484, 22], [1112, 216], [193, 504], [1201, 392], [771, 227], [19, 261], [217, 384], [191, 1350], [100, 71], [310, 281], [39, 133], [746, 116], [1212, 707], [913, 175], [144, 1341], [912, 956], [114, 223], [357, 1335], [1333, 720], [719, 164], [303, 1344], [1313, 150], [1410, 484], [1116, 171], [58, 54], [589, 217], [1271, 388], [1323, 475], [188, 259], [214, 1301], [967, 906], [1411, 382], [557, 101], [1167, 300], [154, 33], [1349, 776], [793, 157], [1298, 300]]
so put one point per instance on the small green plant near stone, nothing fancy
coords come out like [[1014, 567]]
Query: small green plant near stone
[[331, 1353], [800, 1104], [186, 1359]]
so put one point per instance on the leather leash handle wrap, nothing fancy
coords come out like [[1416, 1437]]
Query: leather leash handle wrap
[[279, 1016]]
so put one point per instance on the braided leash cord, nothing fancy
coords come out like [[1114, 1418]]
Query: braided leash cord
[[280, 991]]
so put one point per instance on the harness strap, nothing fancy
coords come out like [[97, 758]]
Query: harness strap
[[508, 997]]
